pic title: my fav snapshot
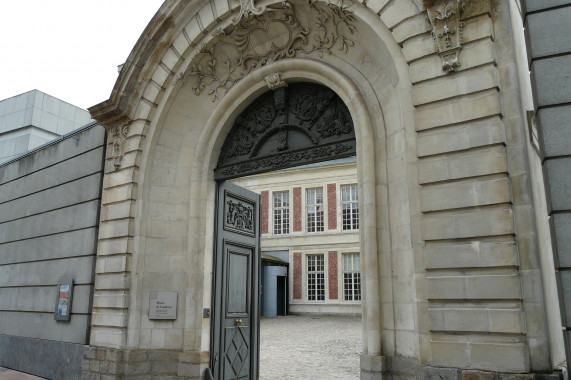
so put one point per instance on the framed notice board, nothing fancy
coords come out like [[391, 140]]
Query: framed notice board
[[63, 300]]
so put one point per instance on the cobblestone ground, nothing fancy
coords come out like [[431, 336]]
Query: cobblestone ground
[[304, 347]]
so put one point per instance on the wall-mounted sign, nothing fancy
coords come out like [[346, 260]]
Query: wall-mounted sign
[[63, 300], [162, 305]]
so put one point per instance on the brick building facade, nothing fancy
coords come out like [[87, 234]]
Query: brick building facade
[[312, 212]]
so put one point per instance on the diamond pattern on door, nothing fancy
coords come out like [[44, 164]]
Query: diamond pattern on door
[[236, 353]]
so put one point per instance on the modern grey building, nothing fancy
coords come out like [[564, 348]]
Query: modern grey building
[[34, 118], [548, 34], [50, 197]]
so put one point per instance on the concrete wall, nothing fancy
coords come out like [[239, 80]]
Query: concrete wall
[[49, 216], [548, 31]]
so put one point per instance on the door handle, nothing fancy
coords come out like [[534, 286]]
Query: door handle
[[238, 322]]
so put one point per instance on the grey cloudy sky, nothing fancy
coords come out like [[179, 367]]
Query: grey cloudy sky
[[69, 49]]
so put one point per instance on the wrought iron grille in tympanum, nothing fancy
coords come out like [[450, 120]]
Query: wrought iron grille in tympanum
[[289, 126]]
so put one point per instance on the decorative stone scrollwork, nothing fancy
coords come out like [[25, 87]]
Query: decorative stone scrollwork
[[118, 136], [446, 18], [289, 159], [259, 38], [447, 32], [247, 9], [293, 125]]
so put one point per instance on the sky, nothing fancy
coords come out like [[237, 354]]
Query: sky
[[69, 49]]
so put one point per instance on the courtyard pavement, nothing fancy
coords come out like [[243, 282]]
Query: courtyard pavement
[[306, 347], [296, 348]]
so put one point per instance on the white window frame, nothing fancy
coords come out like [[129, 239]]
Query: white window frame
[[352, 204], [317, 212], [351, 272], [312, 293], [281, 210]]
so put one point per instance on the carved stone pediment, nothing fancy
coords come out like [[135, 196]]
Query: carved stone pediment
[[281, 31], [290, 126]]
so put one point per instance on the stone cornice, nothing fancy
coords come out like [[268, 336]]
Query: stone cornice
[[127, 89]]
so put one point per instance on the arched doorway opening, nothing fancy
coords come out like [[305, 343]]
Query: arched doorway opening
[[174, 145], [295, 146]]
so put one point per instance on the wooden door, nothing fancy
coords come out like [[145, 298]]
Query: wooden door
[[236, 303]]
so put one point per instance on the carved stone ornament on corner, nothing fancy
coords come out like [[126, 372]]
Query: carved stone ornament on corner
[[447, 20], [281, 31], [118, 136], [447, 32]]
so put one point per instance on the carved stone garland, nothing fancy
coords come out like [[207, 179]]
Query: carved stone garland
[[447, 32], [290, 126], [257, 38], [118, 136]]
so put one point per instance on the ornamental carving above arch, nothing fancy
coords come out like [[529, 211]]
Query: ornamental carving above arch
[[256, 39], [290, 126]]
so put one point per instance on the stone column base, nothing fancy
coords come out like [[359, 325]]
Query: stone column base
[[395, 367], [113, 364]]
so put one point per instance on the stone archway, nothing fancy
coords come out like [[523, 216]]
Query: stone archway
[[169, 129], [293, 124], [184, 130]]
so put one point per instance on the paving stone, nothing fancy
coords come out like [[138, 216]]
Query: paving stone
[[310, 347]]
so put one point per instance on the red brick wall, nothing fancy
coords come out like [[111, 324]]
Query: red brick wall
[[297, 209], [333, 284], [265, 207], [297, 276], [332, 206]]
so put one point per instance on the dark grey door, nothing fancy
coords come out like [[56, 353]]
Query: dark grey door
[[235, 338]]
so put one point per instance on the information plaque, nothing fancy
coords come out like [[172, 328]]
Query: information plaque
[[162, 305], [63, 300]]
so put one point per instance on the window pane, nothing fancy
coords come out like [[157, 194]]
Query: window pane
[[351, 277], [281, 212], [314, 209], [315, 277], [350, 207]]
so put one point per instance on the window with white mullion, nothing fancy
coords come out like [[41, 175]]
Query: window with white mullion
[[350, 207], [351, 277], [315, 278], [314, 201], [281, 212]]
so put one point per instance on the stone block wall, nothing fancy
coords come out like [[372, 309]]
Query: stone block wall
[[474, 301], [49, 216], [548, 27], [108, 363]]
